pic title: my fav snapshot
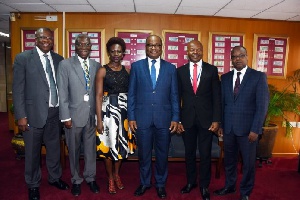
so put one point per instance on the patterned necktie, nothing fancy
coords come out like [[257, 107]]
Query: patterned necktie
[[53, 98], [153, 73], [237, 84], [86, 74], [195, 78]]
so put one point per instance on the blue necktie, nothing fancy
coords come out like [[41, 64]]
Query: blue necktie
[[153, 73], [53, 98]]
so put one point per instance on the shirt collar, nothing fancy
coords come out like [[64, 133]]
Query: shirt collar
[[199, 64], [81, 60], [42, 53], [243, 71]]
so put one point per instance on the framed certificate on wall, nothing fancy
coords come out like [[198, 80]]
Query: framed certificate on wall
[[28, 39], [135, 41], [270, 55], [219, 49], [97, 40], [175, 45]]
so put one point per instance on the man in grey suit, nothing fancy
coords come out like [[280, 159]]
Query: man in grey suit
[[36, 109], [75, 79]]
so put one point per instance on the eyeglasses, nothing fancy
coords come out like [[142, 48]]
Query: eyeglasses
[[83, 44], [241, 56], [153, 45], [44, 38]]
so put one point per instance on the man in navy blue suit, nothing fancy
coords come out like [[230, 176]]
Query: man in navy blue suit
[[245, 99], [153, 113]]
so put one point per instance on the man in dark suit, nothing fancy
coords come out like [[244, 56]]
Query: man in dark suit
[[153, 112], [75, 78], [245, 99], [200, 95], [36, 109]]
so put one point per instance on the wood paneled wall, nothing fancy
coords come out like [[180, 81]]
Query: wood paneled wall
[[158, 22]]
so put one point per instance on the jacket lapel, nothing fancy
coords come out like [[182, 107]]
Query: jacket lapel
[[203, 76], [187, 76], [78, 70], [230, 84], [93, 68], [39, 65], [162, 71], [146, 71], [244, 81], [55, 62]]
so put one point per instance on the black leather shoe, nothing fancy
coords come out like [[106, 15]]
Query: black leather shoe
[[94, 187], [244, 198], [224, 191], [204, 193], [141, 190], [60, 184], [76, 189], [161, 192], [188, 188], [34, 193]]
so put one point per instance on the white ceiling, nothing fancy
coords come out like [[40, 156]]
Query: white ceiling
[[287, 10]]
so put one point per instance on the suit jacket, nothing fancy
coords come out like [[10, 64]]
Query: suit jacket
[[206, 103], [247, 111], [30, 87], [149, 106], [72, 88]]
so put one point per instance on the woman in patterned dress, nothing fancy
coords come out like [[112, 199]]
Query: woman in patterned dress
[[114, 142]]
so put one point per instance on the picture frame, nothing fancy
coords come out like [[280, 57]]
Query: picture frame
[[219, 49], [175, 45], [135, 41], [28, 38], [97, 37], [270, 55]]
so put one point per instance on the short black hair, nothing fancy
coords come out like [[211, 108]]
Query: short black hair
[[115, 40], [239, 47]]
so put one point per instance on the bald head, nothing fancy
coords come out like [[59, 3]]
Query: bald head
[[195, 51]]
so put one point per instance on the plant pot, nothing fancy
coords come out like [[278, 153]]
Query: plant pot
[[266, 142]]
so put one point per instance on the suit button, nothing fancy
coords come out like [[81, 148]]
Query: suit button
[[153, 92]]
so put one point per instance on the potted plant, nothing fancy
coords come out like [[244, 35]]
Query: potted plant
[[283, 103]]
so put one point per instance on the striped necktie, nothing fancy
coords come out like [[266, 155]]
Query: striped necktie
[[86, 74]]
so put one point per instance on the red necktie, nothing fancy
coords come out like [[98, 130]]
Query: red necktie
[[195, 78]]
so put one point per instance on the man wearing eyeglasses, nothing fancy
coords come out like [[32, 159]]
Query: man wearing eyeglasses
[[153, 113], [75, 78], [36, 109], [245, 99]]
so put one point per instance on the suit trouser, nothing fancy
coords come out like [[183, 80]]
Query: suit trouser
[[232, 145], [86, 136], [161, 138], [203, 137], [33, 138]]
